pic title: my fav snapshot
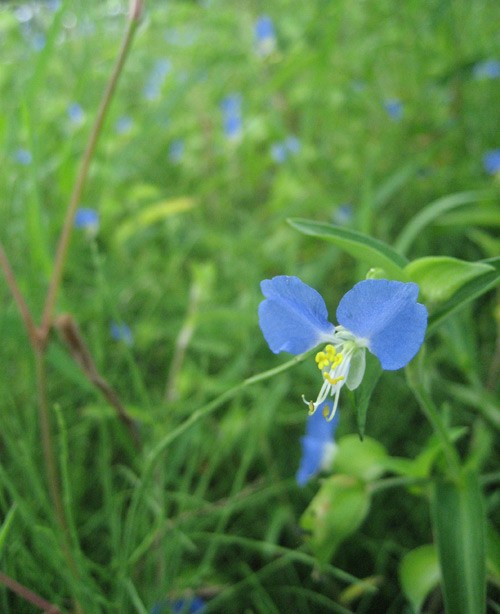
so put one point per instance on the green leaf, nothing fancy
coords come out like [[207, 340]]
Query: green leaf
[[493, 552], [477, 215], [432, 212], [6, 526], [419, 573], [337, 510], [365, 459], [467, 293], [459, 524], [362, 395], [152, 214], [439, 277], [360, 246]]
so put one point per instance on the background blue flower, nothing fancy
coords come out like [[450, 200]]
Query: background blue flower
[[87, 219], [491, 161], [317, 444]]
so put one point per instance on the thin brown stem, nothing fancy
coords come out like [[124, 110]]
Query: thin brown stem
[[27, 595], [23, 308], [65, 236], [47, 442]]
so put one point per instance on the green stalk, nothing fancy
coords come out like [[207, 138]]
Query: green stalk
[[64, 239]]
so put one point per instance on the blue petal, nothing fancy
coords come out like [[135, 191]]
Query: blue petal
[[319, 434], [387, 314], [293, 317], [318, 427]]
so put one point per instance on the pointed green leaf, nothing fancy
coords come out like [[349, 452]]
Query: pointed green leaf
[[493, 552], [337, 510], [439, 277], [467, 293], [459, 525], [360, 246], [362, 395], [432, 212], [6, 526], [419, 574]]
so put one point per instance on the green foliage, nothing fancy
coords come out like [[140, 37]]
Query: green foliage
[[205, 501], [459, 522]]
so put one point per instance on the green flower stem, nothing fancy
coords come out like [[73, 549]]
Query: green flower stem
[[64, 240], [432, 414], [195, 417]]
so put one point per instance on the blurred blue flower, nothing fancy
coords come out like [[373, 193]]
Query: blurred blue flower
[[155, 81], [124, 124], [344, 214], [278, 152], [377, 314], [23, 13], [491, 161], [318, 446], [191, 605], [394, 108], [76, 113], [121, 332], [23, 156], [87, 219], [176, 150], [487, 69], [231, 112], [265, 36], [282, 150], [38, 41]]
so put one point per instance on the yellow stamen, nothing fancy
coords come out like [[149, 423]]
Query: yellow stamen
[[333, 380]]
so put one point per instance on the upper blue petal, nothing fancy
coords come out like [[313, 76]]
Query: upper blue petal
[[387, 314], [293, 317]]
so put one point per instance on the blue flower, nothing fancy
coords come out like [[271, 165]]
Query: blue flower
[[318, 446], [491, 161], [377, 314], [231, 111], [76, 113], [176, 150], [124, 124], [344, 214], [23, 156], [280, 151], [155, 81], [394, 108], [87, 219], [192, 605], [265, 37], [121, 332], [487, 69]]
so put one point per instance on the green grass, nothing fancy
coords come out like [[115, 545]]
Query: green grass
[[208, 504]]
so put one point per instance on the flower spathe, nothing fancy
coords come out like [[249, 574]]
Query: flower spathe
[[376, 314]]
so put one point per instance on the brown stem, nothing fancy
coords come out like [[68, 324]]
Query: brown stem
[[23, 308], [28, 595], [65, 236], [70, 334]]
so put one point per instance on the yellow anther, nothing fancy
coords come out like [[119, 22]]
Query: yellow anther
[[330, 352], [326, 411], [322, 360], [312, 409], [333, 380]]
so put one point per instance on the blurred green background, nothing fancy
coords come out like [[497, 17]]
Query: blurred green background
[[356, 113]]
